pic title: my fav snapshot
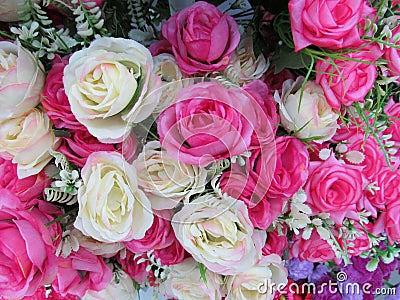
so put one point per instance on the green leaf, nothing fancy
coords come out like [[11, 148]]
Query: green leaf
[[285, 57], [203, 270], [372, 264]]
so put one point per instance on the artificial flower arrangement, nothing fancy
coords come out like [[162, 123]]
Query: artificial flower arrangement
[[219, 150]]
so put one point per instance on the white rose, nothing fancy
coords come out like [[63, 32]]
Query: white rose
[[165, 180], [111, 207], [244, 65], [257, 282], [123, 290], [173, 80], [184, 282], [110, 85], [315, 118], [10, 10], [217, 232], [21, 80], [27, 141]]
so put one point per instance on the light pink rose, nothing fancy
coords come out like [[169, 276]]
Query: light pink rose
[[80, 144], [81, 271], [329, 24], [335, 188], [314, 249], [158, 236], [209, 122], [348, 81], [392, 55], [202, 38], [27, 189], [131, 267], [26, 249], [291, 170], [276, 243], [54, 99]]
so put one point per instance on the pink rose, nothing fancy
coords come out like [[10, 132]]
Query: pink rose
[[361, 243], [314, 249], [349, 81], [54, 99], [158, 236], [159, 47], [172, 254], [291, 170], [27, 189], [392, 55], [393, 111], [132, 268], [391, 219], [26, 249], [275, 81], [276, 243], [335, 188], [80, 144], [329, 24], [242, 186], [202, 38], [81, 271], [207, 123], [388, 182]]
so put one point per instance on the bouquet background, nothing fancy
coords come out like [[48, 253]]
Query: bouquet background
[[208, 150]]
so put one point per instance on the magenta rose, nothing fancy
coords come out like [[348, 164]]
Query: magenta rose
[[291, 170], [314, 249], [54, 99], [242, 186], [26, 249], [28, 189], [392, 55], [275, 243], [207, 123], [202, 38], [158, 236], [348, 81], [81, 271], [329, 24], [134, 269], [80, 144], [335, 188], [172, 254]]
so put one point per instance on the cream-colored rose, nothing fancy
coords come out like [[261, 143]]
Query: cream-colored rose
[[184, 282], [244, 65], [21, 80], [27, 141], [123, 290], [96, 247], [217, 232], [111, 207], [10, 10], [110, 86], [257, 282], [173, 80], [166, 181], [314, 118]]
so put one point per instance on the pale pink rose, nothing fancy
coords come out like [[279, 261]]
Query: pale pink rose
[[202, 38], [54, 99], [31, 261], [392, 55], [80, 144], [276, 243], [209, 122], [172, 254], [241, 186], [291, 170], [81, 271], [335, 188], [348, 81], [158, 236], [131, 267], [314, 249], [327, 24], [388, 182], [27, 189]]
